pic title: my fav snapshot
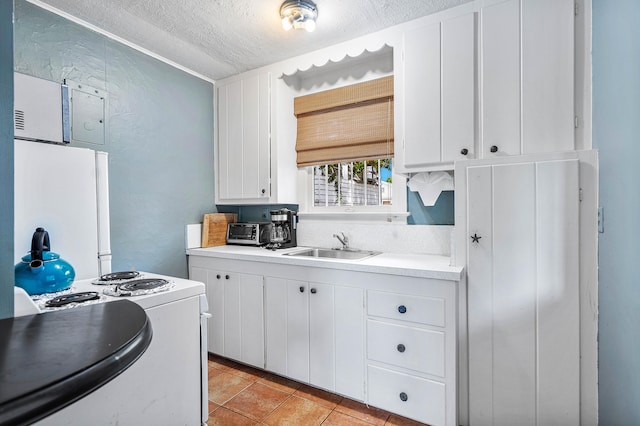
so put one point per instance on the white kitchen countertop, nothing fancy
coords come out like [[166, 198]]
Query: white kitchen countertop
[[410, 265]]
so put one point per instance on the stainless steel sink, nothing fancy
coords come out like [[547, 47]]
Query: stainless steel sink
[[334, 253]]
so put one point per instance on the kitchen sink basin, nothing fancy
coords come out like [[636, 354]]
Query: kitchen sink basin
[[334, 253]]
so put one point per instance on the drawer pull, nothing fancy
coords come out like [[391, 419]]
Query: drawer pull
[[403, 397], [402, 309], [301, 289], [401, 348]]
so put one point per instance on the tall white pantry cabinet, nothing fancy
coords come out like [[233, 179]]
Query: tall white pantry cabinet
[[526, 230]]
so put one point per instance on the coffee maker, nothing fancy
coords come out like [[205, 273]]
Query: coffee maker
[[283, 231]]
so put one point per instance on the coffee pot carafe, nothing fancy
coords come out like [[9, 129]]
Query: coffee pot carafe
[[283, 231]]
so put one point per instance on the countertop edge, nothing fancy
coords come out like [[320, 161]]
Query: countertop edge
[[49, 399], [377, 264]]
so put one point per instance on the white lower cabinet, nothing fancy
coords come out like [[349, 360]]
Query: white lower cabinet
[[408, 347], [315, 334], [340, 330], [407, 395], [236, 327], [411, 350]]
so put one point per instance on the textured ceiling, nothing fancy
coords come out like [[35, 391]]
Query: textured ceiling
[[219, 38]]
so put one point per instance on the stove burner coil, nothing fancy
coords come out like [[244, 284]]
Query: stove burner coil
[[116, 278], [123, 275], [139, 287], [66, 299]]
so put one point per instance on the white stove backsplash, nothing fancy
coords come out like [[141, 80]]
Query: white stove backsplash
[[386, 237]]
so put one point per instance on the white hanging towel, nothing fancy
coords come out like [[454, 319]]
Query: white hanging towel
[[430, 184]]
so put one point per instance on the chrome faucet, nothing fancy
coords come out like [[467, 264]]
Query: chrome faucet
[[344, 240]]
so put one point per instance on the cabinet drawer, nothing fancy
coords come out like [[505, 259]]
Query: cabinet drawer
[[423, 310], [419, 399], [407, 347]]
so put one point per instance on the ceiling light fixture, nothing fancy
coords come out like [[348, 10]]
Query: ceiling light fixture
[[299, 14]]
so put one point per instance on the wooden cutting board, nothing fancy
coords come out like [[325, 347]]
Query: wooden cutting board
[[214, 228]]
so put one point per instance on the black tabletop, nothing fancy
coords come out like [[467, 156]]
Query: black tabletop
[[50, 360]]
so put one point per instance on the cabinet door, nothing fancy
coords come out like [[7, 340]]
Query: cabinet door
[[230, 140], [287, 327], [256, 136], [500, 78], [349, 337], [298, 330], [244, 138], [243, 319], [214, 290], [275, 314], [523, 295], [458, 87], [422, 96], [252, 319], [547, 75], [321, 336]]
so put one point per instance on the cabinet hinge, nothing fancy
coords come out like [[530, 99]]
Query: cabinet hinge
[[576, 9], [580, 194], [576, 121]]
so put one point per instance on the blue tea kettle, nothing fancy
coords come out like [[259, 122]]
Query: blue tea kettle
[[42, 271]]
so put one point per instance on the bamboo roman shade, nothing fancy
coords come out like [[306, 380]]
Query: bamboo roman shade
[[350, 123]]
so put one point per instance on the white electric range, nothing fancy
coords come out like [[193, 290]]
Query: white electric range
[[168, 383]]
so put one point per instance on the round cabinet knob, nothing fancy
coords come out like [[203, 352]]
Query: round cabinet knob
[[401, 348], [226, 277], [218, 276], [403, 397], [264, 191], [493, 149], [464, 151], [402, 309], [301, 289], [313, 291]]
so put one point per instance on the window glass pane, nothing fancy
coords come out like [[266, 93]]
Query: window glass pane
[[361, 183]]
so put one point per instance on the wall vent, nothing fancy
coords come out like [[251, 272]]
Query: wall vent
[[18, 117]]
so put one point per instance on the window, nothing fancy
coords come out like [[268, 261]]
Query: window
[[345, 143], [360, 183]]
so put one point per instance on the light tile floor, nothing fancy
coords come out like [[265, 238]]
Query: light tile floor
[[240, 395]]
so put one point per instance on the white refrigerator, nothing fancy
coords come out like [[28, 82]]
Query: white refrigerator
[[64, 190]]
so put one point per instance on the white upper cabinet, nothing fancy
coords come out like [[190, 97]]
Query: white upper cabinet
[[422, 96], [494, 81], [548, 112], [526, 77], [500, 78], [244, 139], [458, 87], [438, 90]]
